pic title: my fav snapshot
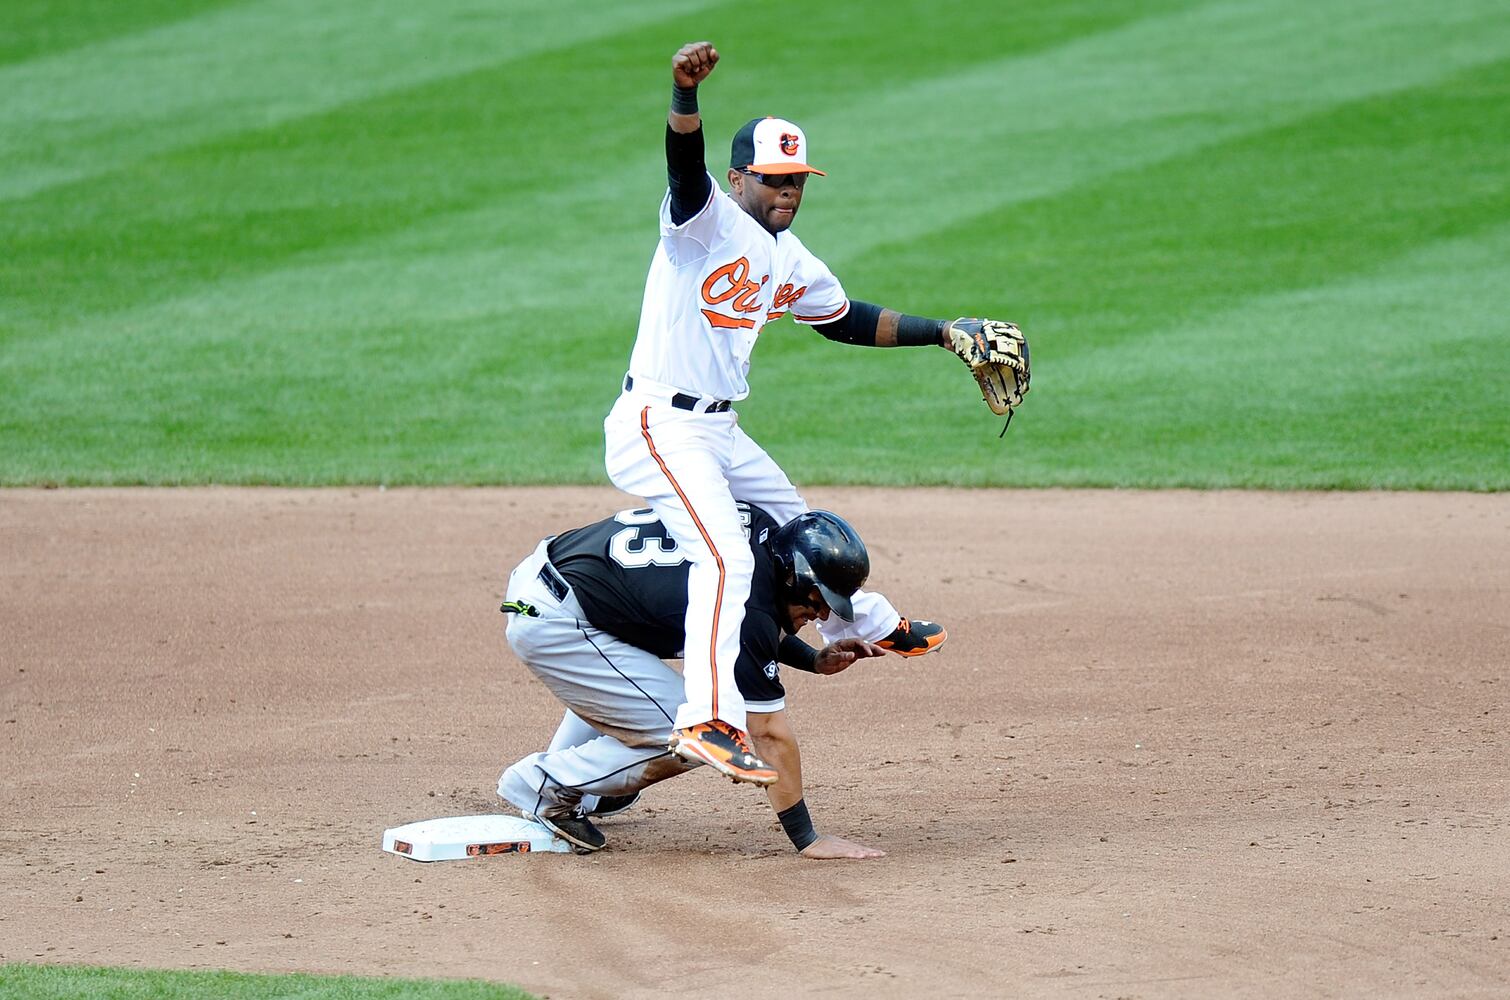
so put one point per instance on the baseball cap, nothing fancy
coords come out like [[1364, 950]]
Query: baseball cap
[[771, 146]]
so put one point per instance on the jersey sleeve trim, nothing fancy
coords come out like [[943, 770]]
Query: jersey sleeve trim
[[673, 227], [810, 320], [765, 706]]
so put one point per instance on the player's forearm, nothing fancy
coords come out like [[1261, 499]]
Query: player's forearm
[[777, 745], [782, 754], [686, 163], [786, 794], [895, 329], [869, 325], [684, 116], [793, 652], [775, 742]]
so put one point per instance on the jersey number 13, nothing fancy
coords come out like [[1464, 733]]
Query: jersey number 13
[[644, 542]]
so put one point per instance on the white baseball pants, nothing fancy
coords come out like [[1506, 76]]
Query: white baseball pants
[[690, 466]]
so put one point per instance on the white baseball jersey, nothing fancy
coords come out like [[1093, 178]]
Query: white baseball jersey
[[714, 282]]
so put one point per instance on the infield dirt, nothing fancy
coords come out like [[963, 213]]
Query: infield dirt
[[1178, 745]]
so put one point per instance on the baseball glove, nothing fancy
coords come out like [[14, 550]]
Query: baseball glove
[[997, 355]]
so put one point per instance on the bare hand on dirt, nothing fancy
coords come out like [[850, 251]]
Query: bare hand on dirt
[[831, 848]]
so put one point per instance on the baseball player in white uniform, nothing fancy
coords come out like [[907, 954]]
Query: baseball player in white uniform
[[727, 264]]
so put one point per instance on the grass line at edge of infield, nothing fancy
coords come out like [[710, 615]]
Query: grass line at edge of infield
[[25, 981]]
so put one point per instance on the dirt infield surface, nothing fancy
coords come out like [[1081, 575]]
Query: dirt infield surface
[[1178, 745]]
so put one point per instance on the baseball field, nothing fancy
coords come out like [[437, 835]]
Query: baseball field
[[309, 318]]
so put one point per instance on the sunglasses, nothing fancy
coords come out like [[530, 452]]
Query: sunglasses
[[778, 180]]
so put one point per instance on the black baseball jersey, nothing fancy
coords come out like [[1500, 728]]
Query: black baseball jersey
[[631, 579]]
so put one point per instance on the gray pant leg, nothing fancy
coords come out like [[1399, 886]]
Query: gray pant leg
[[612, 686], [572, 732], [623, 692], [559, 782]]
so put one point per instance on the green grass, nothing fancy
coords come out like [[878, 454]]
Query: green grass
[[1261, 244], [70, 982]]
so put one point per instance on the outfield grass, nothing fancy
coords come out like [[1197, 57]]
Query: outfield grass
[[72, 982], [1252, 243]]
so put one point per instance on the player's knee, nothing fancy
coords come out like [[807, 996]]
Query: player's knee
[[515, 786], [737, 582], [740, 564]]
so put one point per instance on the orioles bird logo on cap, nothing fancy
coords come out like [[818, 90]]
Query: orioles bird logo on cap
[[789, 144]]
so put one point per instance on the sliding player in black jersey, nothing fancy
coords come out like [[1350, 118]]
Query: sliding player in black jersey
[[595, 612]]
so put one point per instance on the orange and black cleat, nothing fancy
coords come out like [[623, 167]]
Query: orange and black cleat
[[724, 748], [914, 637]]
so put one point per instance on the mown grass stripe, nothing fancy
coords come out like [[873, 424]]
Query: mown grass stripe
[[1295, 205], [496, 258], [321, 188], [34, 28], [1344, 384], [475, 335], [512, 263], [1248, 228], [79, 113], [1031, 127]]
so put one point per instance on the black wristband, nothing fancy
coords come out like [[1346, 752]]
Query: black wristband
[[683, 100], [916, 331], [798, 824]]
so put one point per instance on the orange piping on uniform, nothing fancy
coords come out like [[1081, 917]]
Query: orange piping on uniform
[[822, 319], [718, 601]]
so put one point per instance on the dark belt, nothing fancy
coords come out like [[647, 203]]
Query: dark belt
[[553, 581], [682, 401]]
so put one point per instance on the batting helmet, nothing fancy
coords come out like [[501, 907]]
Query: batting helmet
[[820, 549]]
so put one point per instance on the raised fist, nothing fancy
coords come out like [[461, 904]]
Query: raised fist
[[692, 63]]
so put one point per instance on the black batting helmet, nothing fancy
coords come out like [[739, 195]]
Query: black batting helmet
[[820, 549]]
